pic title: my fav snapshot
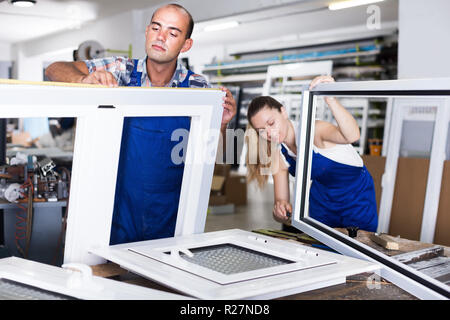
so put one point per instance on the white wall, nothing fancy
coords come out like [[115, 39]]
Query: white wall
[[5, 60], [115, 32], [424, 44], [5, 52], [4, 69]]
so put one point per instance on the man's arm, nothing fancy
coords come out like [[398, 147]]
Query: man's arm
[[78, 72], [67, 71]]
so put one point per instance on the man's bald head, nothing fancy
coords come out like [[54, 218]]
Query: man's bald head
[[190, 26]]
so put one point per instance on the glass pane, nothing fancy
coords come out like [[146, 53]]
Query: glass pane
[[417, 137], [11, 290], [149, 178], [230, 259], [345, 183], [34, 186]]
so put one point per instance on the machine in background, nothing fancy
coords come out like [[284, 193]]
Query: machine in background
[[25, 183]]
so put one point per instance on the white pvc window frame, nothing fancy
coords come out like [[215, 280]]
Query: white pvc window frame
[[403, 276], [100, 112], [74, 281], [300, 69], [269, 284], [169, 253], [403, 110]]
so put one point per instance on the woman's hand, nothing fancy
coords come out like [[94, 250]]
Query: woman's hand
[[323, 79], [320, 79], [282, 210], [347, 129]]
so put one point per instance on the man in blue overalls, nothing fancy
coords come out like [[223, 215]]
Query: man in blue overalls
[[148, 182]]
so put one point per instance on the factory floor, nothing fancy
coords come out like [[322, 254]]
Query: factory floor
[[257, 214]]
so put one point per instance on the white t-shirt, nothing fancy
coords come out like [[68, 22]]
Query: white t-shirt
[[341, 153]]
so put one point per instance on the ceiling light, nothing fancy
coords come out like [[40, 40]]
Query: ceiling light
[[221, 26], [350, 3], [23, 3]]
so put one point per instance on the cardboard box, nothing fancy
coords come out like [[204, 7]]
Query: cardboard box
[[227, 187], [217, 196], [218, 184], [222, 170], [409, 197], [236, 189], [217, 200]]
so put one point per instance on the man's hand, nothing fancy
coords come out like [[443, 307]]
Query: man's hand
[[101, 77], [229, 107], [282, 210]]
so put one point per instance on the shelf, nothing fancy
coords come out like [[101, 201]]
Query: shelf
[[356, 62], [304, 57], [238, 78]]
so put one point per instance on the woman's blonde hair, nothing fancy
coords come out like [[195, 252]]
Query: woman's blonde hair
[[262, 159]]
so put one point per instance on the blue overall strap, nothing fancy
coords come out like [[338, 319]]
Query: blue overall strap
[[185, 83], [292, 162], [135, 78]]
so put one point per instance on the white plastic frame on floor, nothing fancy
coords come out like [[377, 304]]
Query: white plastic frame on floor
[[30, 280], [436, 92], [100, 112]]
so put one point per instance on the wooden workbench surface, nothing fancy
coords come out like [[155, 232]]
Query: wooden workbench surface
[[405, 245], [363, 286]]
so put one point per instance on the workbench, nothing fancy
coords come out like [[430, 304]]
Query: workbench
[[45, 233], [363, 286]]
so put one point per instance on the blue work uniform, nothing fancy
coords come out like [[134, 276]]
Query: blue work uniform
[[148, 182], [341, 195]]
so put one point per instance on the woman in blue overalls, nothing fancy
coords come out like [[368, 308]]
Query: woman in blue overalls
[[342, 192], [148, 182]]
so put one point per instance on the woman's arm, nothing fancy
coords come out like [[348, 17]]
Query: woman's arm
[[346, 131], [282, 208]]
